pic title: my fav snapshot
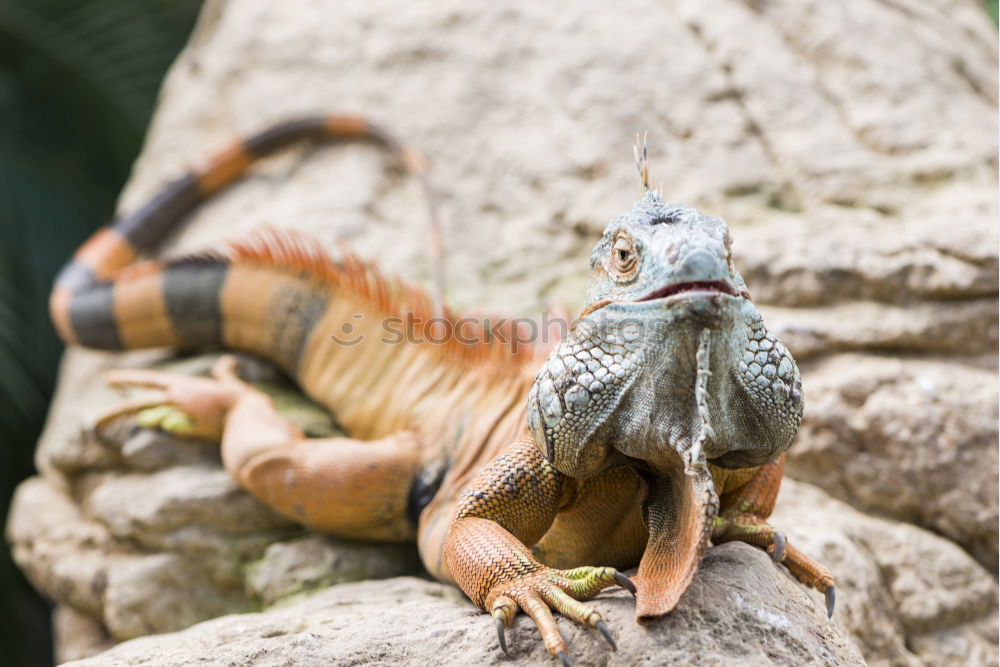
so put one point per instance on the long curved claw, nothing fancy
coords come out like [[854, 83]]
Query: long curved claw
[[503, 611], [811, 573], [603, 629], [563, 659], [779, 546], [500, 635], [625, 583]]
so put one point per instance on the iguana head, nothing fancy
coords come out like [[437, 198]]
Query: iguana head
[[668, 368], [624, 384], [665, 253]]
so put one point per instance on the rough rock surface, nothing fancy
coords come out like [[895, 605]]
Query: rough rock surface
[[852, 147], [913, 439], [759, 617], [906, 596], [148, 533]]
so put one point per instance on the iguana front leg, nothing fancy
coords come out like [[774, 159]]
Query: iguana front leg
[[746, 501], [510, 506], [342, 486]]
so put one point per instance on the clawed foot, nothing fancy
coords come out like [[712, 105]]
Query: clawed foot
[[192, 407], [808, 571], [753, 530], [541, 592]]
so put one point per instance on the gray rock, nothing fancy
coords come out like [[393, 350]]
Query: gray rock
[[151, 593], [147, 533], [80, 635], [740, 609], [60, 551], [905, 595], [317, 561], [187, 509], [941, 328], [814, 260], [908, 438], [148, 451]]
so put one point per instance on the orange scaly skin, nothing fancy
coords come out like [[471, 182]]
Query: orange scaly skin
[[440, 449]]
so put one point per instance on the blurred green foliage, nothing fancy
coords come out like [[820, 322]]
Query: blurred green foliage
[[78, 81], [991, 9]]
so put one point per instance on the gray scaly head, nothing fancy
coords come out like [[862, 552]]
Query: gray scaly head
[[669, 367]]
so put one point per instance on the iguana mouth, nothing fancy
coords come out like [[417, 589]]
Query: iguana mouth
[[692, 286]]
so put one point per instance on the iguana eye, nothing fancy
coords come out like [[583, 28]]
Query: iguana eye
[[623, 256]]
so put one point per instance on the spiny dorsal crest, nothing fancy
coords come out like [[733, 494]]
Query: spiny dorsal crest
[[641, 154], [483, 339]]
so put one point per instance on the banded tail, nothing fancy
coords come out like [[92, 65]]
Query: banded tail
[[102, 300]]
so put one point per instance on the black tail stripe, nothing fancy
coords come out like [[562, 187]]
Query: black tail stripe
[[92, 316], [75, 276], [279, 136], [150, 224], [192, 293]]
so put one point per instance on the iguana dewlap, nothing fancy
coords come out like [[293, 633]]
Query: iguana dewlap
[[657, 423]]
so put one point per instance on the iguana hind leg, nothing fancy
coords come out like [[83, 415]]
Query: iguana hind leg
[[342, 486], [746, 500]]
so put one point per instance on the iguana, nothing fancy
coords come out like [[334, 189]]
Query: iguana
[[658, 423]]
